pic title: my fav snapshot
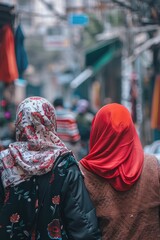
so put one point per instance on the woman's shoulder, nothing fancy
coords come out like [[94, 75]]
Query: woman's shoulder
[[66, 166], [66, 161], [151, 162]]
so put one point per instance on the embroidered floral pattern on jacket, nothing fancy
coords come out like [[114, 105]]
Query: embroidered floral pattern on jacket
[[18, 222]]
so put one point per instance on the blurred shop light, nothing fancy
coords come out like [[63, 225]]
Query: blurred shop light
[[87, 73]]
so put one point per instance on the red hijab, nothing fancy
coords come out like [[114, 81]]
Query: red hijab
[[116, 152]]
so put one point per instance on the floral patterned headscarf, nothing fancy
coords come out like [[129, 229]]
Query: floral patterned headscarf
[[37, 146]]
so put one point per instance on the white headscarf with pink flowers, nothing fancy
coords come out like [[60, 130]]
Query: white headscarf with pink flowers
[[37, 146]]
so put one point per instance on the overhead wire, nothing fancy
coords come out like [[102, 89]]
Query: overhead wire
[[34, 14]]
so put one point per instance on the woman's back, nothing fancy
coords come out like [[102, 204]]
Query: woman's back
[[42, 192], [45, 207], [132, 214]]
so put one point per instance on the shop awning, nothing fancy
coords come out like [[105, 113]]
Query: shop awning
[[7, 15], [96, 58], [102, 54], [106, 58], [83, 76]]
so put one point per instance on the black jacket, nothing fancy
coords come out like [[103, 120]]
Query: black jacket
[[52, 206]]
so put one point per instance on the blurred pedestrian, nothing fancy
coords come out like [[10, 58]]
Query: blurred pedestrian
[[74, 102], [42, 194], [134, 97], [67, 128], [84, 119], [124, 184]]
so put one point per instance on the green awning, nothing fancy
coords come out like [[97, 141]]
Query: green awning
[[96, 58], [102, 54], [106, 58]]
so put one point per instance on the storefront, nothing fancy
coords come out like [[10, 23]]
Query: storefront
[[101, 80], [13, 62]]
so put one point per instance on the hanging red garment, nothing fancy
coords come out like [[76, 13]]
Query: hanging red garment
[[8, 65]]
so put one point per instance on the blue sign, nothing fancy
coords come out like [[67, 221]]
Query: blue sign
[[78, 19]]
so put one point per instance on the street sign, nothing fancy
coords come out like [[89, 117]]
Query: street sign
[[56, 42], [78, 19]]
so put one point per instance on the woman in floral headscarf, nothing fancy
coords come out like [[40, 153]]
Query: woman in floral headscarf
[[42, 194], [123, 183]]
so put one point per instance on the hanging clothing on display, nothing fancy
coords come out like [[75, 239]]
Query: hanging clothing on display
[[155, 112], [134, 96], [8, 65], [7, 14], [21, 55]]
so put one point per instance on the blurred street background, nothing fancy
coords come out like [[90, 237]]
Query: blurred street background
[[102, 51]]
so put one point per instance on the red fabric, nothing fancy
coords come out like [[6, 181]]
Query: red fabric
[[116, 153], [8, 65]]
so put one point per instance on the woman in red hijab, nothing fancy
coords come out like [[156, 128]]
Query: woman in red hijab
[[124, 185]]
